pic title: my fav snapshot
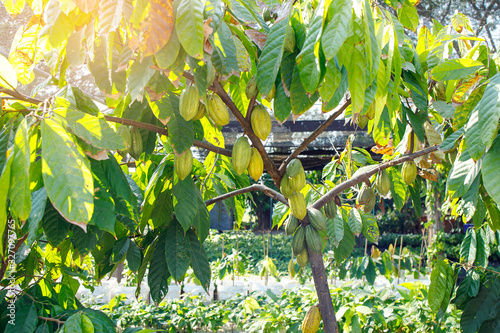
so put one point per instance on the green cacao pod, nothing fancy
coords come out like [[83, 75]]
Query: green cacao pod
[[303, 259], [271, 93], [242, 153], [365, 195], [217, 110], [368, 207], [285, 186], [298, 205], [202, 111], [183, 164], [251, 88], [294, 168], [313, 239], [124, 132], [261, 122], [330, 209], [299, 241], [189, 102], [256, 165], [383, 183], [317, 219], [136, 147], [291, 268], [311, 321], [409, 172], [290, 40], [298, 182], [291, 225]]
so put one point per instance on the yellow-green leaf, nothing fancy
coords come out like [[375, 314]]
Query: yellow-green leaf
[[19, 191], [157, 27], [455, 69]]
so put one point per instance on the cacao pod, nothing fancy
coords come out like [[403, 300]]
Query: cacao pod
[[285, 187], [291, 225], [183, 164], [210, 73], [290, 40], [242, 153], [299, 241], [370, 114], [318, 221], [136, 147], [256, 165], [362, 120], [368, 207], [271, 93], [294, 168], [124, 132], [298, 205], [251, 88], [330, 209], [311, 320], [313, 239], [202, 111], [383, 183], [261, 122], [364, 195], [298, 182], [291, 268], [189, 102], [303, 258], [217, 110], [409, 172]]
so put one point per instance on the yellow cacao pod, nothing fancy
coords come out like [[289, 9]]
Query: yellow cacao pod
[[183, 164], [136, 147], [317, 219], [285, 186], [291, 225], [261, 122], [383, 183], [290, 40], [365, 195], [256, 165], [189, 102], [294, 168], [202, 111], [298, 205], [242, 153], [298, 182], [409, 172], [217, 110], [330, 209], [311, 320], [313, 239], [251, 88], [299, 241], [303, 259]]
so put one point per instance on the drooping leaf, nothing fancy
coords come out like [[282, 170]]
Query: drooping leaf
[[478, 309], [473, 136], [26, 318], [78, 323], [189, 26], [338, 28], [463, 172], [455, 69], [489, 110], [491, 171], [468, 248], [177, 250], [398, 188], [19, 190], [157, 26], [354, 221], [134, 257], [55, 226], [370, 227], [199, 260], [335, 230], [158, 271], [437, 288], [120, 250], [38, 203], [346, 245]]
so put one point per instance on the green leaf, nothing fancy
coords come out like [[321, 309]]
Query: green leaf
[[463, 111], [26, 318], [354, 221], [104, 213], [78, 323], [299, 99], [444, 109], [102, 323], [463, 172], [186, 207], [85, 242], [66, 174], [437, 288], [55, 226], [455, 69], [189, 26], [492, 213], [139, 75], [224, 57], [180, 131], [479, 309], [415, 196], [134, 257], [59, 26], [38, 203], [199, 260], [451, 141], [491, 171], [338, 29], [177, 251], [281, 104], [408, 16], [468, 248], [398, 188], [370, 271], [473, 136], [119, 250], [489, 110], [158, 271], [482, 249], [148, 255], [346, 245], [4, 183], [355, 63], [270, 58], [335, 230], [370, 228], [167, 54]]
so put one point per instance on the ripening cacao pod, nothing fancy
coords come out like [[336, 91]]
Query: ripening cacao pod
[[217, 110], [439, 90], [330, 209], [261, 122], [294, 168], [362, 120], [364, 195], [285, 186], [299, 241], [271, 93], [183, 164], [189, 102], [202, 111], [242, 153], [409, 172], [313, 239], [256, 165], [290, 40], [136, 147], [368, 207], [291, 268], [298, 182], [291, 225], [298, 205], [383, 183], [303, 258], [124, 132], [251, 88], [317, 219], [311, 320]]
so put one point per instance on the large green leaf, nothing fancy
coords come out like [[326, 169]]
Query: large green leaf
[[451, 141], [408, 16], [55, 226], [398, 188], [139, 74], [186, 207], [489, 110], [167, 54], [104, 212], [281, 104], [177, 250], [26, 318], [437, 288], [299, 99], [463, 172], [66, 174], [120, 250], [479, 309], [346, 245], [444, 109], [158, 271], [4, 183], [468, 248], [455, 69], [473, 136], [134, 257], [180, 131], [199, 260], [189, 26], [355, 62], [85, 242], [78, 323], [270, 58], [338, 28], [335, 230], [482, 249], [38, 203], [491, 171], [370, 228], [355, 222]]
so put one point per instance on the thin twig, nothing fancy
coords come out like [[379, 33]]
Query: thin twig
[[59, 322], [208, 175], [255, 187]]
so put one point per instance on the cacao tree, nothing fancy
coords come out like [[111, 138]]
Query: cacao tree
[[88, 182]]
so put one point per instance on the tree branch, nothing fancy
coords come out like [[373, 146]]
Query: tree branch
[[361, 177], [313, 136], [59, 322], [255, 187], [19, 96]]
